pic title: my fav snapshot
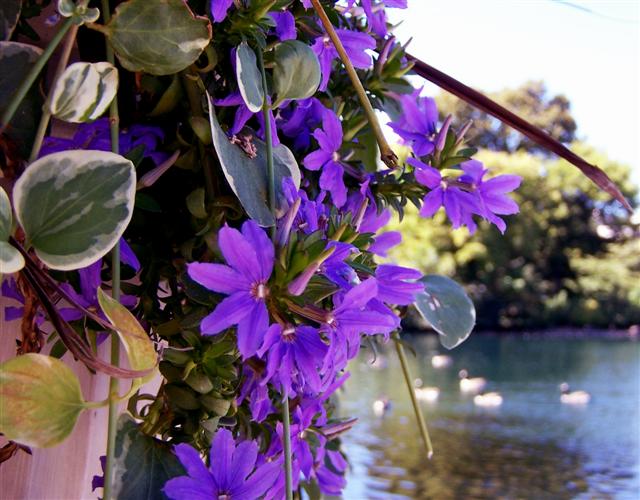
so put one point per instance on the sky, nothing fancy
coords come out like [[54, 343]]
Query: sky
[[588, 50]]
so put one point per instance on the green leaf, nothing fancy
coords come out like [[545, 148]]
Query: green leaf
[[16, 59], [296, 74], [195, 203], [160, 37], [249, 77], [139, 347], [143, 464], [248, 176], [75, 205], [447, 308], [6, 216], [9, 15], [84, 91], [41, 400], [11, 260]]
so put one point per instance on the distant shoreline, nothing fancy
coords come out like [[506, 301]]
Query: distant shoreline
[[632, 333]]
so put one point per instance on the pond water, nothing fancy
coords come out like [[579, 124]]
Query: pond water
[[532, 446]]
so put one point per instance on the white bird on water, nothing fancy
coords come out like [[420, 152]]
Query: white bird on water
[[429, 394], [441, 361], [474, 385], [573, 397], [488, 399]]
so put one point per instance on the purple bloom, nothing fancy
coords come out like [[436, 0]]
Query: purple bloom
[[417, 123], [219, 9], [298, 121], [397, 285], [491, 194], [250, 256], [355, 44], [458, 204], [285, 25], [96, 135], [257, 394], [232, 474], [327, 158], [294, 356], [376, 15]]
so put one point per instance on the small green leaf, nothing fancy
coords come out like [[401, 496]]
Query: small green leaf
[[296, 74], [160, 37], [170, 98], [9, 15], [6, 216], [249, 77], [143, 464], [75, 205], [447, 308], [84, 91], [248, 176], [41, 400], [16, 60], [11, 260], [195, 203], [139, 347]]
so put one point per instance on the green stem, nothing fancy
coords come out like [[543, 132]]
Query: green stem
[[422, 425], [114, 386], [46, 114], [386, 154], [271, 186], [31, 77]]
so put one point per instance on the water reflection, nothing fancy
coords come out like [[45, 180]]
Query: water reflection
[[532, 446]]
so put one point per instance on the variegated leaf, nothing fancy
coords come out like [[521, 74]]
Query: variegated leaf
[[6, 216], [142, 356], [11, 260], [160, 37], [84, 91], [75, 205], [41, 400], [249, 77], [296, 74]]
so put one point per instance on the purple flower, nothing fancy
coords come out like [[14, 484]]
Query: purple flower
[[232, 474], [397, 285], [219, 9], [355, 44], [294, 356], [285, 25], [458, 204], [300, 119], [250, 257], [417, 122], [327, 158], [96, 135], [491, 194], [376, 15], [257, 394]]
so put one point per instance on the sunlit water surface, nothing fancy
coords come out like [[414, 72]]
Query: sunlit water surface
[[532, 446]]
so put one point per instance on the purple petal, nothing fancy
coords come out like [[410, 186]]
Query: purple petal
[[316, 159], [219, 9], [359, 295], [263, 246], [183, 487], [217, 277], [192, 462], [502, 184], [431, 203], [331, 179], [221, 455], [243, 462], [385, 241], [229, 312], [259, 482], [285, 25], [127, 256], [238, 253], [251, 329]]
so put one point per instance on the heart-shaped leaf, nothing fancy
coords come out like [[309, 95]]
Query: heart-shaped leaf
[[296, 74], [11, 260], [140, 351], [248, 176], [447, 308], [9, 15], [160, 37], [75, 205], [16, 60], [84, 91], [143, 464], [249, 77], [41, 400]]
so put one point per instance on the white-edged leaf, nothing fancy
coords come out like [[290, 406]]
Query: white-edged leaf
[[9, 15], [41, 400], [84, 91], [248, 176], [447, 308], [249, 77], [160, 37], [6, 216], [140, 351], [11, 261], [296, 74], [75, 205]]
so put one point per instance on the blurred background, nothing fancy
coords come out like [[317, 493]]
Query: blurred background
[[557, 297]]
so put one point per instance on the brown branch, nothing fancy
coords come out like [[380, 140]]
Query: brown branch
[[539, 136]]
